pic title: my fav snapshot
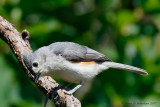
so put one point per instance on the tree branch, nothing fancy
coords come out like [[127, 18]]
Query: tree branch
[[20, 46]]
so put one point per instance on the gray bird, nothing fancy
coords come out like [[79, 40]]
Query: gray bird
[[71, 62]]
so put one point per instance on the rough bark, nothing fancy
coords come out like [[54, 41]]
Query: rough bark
[[20, 46]]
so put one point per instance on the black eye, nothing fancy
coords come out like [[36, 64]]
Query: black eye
[[35, 64]]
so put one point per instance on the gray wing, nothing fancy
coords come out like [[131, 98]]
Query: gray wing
[[75, 52]]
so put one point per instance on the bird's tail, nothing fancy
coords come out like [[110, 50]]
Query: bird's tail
[[125, 67]]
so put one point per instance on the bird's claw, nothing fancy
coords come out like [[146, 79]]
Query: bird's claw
[[54, 93], [68, 92]]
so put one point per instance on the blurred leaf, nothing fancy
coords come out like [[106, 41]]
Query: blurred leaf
[[125, 17], [16, 15], [69, 30], [5, 82], [41, 28], [151, 5]]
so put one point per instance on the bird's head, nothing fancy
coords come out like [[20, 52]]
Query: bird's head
[[34, 63]]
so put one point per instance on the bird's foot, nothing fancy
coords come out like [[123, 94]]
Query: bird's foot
[[68, 92], [52, 95], [74, 89], [54, 92]]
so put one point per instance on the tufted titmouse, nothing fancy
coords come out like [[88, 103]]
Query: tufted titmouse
[[71, 62]]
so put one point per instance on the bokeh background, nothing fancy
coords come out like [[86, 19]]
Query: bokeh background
[[127, 31]]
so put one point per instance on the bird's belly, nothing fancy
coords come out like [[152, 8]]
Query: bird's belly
[[77, 72]]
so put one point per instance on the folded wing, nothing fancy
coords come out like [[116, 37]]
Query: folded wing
[[75, 52]]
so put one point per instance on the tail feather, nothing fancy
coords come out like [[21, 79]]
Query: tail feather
[[125, 67]]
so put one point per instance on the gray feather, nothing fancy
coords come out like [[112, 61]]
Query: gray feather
[[75, 52], [27, 60], [125, 67]]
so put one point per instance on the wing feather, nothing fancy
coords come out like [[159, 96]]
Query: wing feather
[[75, 52]]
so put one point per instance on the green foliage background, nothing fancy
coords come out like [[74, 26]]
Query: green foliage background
[[127, 31]]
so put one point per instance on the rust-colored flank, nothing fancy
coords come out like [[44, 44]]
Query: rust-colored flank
[[85, 63]]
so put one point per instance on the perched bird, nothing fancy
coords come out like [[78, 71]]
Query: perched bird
[[71, 62]]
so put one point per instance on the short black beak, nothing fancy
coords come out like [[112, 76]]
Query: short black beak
[[36, 77]]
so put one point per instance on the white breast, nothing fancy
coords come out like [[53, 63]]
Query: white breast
[[73, 72], [76, 72]]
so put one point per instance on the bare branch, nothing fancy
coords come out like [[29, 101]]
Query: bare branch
[[20, 46]]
